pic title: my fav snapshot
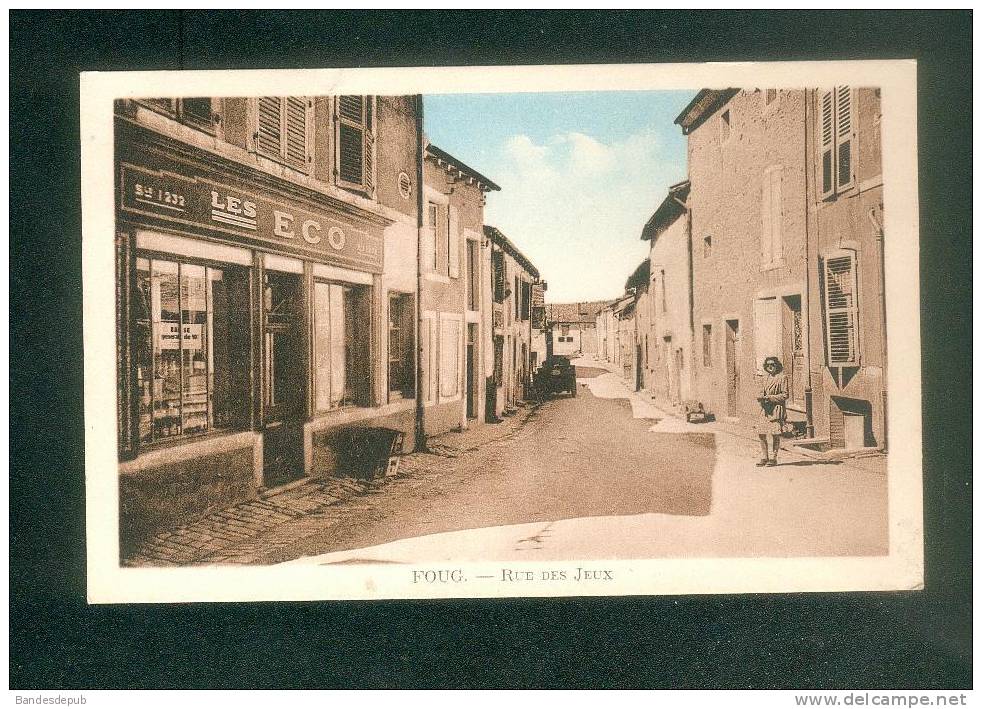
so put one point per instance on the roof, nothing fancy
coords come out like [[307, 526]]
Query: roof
[[584, 312], [444, 158], [505, 243], [624, 305], [706, 102], [671, 208]]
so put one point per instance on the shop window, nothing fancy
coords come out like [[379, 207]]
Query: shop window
[[402, 363], [186, 349], [281, 129], [355, 141], [342, 336]]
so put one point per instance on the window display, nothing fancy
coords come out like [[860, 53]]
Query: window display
[[183, 347]]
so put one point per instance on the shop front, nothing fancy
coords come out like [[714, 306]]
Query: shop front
[[248, 317]]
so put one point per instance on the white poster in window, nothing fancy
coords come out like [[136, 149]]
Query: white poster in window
[[167, 338]]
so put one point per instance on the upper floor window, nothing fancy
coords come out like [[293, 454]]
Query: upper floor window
[[354, 119], [282, 129], [201, 112], [771, 218], [836, 130]]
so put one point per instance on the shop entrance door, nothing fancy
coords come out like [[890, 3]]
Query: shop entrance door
[[282, 379]]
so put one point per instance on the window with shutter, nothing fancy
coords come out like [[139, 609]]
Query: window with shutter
[[843, 137], [165, 105], [771, 235], [281, 129], [498, 275], [826, 134], [453, 242], [841, 312], [355, 139], [836, 127]]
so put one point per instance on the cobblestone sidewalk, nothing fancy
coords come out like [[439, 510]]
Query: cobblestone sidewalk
[[236, 534]]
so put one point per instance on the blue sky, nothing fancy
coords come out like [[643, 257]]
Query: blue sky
[[580, 174]]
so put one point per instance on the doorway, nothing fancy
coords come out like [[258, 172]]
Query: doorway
[[794, 350], [283, 378], [732, 367], [471, 372]]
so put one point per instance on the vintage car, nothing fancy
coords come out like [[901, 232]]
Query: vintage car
[[555, 375]]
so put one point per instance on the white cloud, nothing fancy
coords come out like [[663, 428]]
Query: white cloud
[[576, 206]]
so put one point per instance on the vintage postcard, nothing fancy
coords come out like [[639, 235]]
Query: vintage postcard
[[513, 331]]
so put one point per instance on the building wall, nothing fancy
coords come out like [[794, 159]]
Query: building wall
[[445, 294], [670, 335], [167, 483], [851, 221], [727, 175]]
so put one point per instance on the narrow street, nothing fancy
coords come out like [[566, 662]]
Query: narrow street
[[601, 475]]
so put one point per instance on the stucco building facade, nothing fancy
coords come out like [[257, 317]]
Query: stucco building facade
[[747, 170]]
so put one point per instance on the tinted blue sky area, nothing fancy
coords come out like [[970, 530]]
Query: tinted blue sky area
[[580, 174]]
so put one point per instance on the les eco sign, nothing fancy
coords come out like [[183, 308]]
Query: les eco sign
[[204, 203]]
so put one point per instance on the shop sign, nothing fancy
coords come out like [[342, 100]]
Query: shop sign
[[203, 203]]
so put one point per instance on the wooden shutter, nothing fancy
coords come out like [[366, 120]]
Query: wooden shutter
[[841, 312], [843, 137], [269, 134], [295, 131], [498, 275], [826, 135], [777, 236], [370, 144], [766, 225], [351, 140], [453, 242]]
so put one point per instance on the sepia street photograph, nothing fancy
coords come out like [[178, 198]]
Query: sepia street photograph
[[500, 349], [420, 330]]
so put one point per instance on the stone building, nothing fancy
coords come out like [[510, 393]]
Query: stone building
[[668, 331], [266, 279], [456, 295], [847, 337], [573, 327], [512, 279], [747, 175]]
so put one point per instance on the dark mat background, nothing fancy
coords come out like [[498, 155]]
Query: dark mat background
[[913, 639]]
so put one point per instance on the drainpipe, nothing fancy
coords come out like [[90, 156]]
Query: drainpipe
[[809, 404], [878, 230], [420, 442]]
